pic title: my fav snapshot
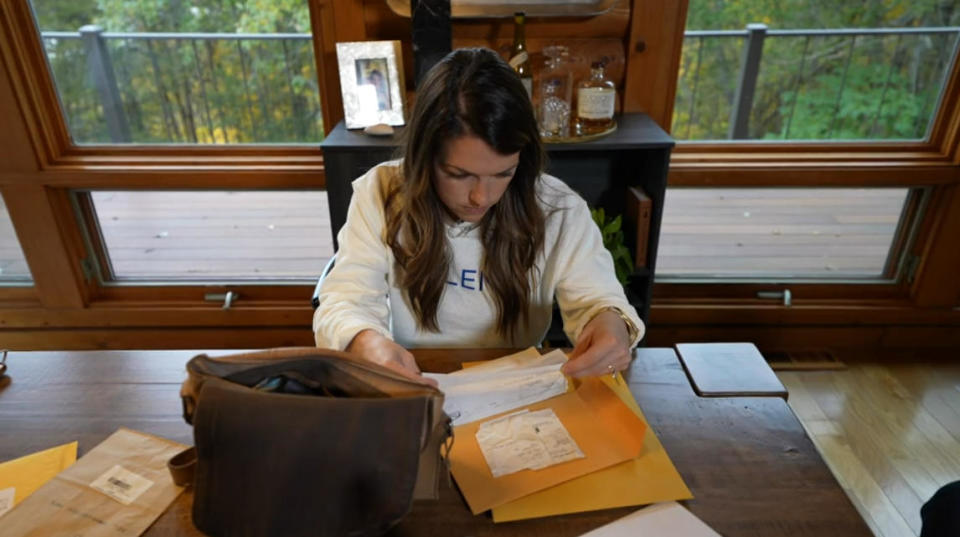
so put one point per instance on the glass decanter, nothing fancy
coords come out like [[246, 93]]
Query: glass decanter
[[556, 89]]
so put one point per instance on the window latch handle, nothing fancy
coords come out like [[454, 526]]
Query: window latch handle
[[785, 295], [227, 298]]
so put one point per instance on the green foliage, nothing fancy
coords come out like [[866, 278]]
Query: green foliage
[[251, 91], [818, 88], [190, 90], [612, 232]]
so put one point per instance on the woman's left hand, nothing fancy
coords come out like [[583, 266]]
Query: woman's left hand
[[603, 347]]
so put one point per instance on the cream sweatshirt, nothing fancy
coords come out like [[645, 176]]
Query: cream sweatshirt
[[361, 292]]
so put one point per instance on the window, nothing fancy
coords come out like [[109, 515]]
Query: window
[[203, 72], [813, 70], [181, 236], [766, 93], [13, 265], [754, 233]]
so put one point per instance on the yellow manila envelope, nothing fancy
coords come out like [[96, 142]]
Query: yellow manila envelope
[[604, 428], [117, 489], [20, 477], [647, 478]]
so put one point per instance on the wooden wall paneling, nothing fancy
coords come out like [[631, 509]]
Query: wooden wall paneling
[[813, 174], [323, 21], [860, 152], [156, 315], [334, 21], [186, 178], [612, 23], [936, 283], [17, 296], [348, 16], [842, 151], [653, 58], [924, 337], [588, 37], [848, 313], [37, 215], [746, 293], [150, 296], [382, 23]]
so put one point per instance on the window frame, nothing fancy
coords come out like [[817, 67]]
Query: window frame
[[656, 35], [46, 165]]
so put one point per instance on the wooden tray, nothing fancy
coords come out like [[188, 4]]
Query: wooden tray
[[578, 139]]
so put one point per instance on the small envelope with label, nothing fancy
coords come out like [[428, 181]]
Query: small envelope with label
[[118, 488]]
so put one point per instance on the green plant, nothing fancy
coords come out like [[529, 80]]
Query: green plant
[[612, 232]]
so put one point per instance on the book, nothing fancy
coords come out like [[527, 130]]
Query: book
[[639, 207]]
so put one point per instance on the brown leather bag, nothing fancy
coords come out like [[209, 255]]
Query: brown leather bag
[[307, 441]]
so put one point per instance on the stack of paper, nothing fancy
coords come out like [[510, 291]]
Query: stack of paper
[[522, 472]]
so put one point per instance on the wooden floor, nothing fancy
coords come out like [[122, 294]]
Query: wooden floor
[[889, 433], [286, 234]]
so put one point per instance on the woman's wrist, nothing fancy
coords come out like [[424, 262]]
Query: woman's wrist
[[632, 330], [362, 339]]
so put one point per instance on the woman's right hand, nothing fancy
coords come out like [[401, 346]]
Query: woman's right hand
[[379, 349]]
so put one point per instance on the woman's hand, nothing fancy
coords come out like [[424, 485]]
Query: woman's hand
[[603, 347], [375, 347]]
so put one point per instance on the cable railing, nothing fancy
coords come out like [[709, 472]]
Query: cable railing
[[167, 87], [842, 82]]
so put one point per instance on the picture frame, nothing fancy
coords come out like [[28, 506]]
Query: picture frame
[[371, 81]]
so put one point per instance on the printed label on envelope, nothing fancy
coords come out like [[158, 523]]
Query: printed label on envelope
[[6, 499], [525, 441], [121, 484]]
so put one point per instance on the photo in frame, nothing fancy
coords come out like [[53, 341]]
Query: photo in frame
[[371, 80]]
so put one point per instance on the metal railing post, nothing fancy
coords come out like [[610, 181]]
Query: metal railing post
[[101, 72], [749, 69]]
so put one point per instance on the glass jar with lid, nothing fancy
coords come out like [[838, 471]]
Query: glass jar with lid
[[556, 89]]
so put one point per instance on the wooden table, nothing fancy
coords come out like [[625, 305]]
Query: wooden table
[[751, 467]]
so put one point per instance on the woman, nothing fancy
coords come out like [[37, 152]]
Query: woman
[[465, 242]]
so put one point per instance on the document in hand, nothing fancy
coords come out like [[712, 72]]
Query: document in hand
[[603, 427], [500, 385], [117, 489]]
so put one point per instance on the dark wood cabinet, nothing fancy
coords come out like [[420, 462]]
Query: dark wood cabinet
[[601, 170]]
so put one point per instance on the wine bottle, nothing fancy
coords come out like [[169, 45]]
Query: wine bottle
[[519, 57]]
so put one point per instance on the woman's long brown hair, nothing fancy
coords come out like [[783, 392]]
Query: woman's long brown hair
[[470, 91]]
